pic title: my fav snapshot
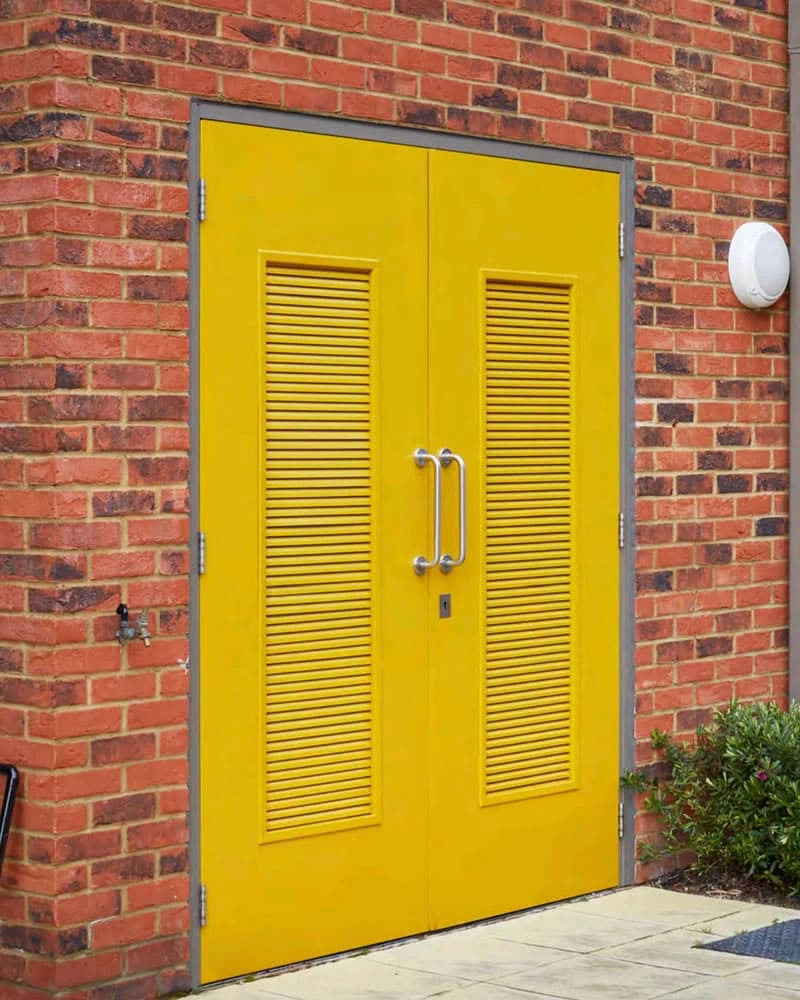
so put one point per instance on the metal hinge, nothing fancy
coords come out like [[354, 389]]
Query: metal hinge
[[621, 238], [621, 820], [622, 529], [201, 199], [201, 552], [202, 901]]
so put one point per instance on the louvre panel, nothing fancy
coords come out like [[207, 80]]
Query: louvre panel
[[318, 635], [528, 737]]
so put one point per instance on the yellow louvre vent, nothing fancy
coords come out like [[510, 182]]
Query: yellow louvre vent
[[529, 485], [319, 686]]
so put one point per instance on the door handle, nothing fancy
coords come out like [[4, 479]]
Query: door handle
[[421, 456], [446, 563]]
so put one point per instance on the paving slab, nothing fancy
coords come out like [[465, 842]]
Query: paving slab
[[777, 974], [361, 978], [749, 918], [571, 929], [468, 954], [679, 950], [592, 977], [723, 989], [661, 906]]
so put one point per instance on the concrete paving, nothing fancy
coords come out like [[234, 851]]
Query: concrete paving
[[632, 944]]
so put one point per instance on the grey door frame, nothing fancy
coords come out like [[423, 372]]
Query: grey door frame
[[399, 135]]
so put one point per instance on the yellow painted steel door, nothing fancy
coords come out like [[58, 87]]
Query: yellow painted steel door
[[524, 376], [385, 751], [313, 625]]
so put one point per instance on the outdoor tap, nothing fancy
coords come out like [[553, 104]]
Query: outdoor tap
[[138, 630]]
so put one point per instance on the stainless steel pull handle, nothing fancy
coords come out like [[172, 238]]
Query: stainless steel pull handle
[[446, 563], [421, 456]]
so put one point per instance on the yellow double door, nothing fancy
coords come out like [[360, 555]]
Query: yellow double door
[[388, 747]]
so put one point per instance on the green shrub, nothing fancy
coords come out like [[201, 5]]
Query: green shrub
[[733, 798]]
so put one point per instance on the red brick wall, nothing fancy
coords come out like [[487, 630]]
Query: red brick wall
[[94, 104]]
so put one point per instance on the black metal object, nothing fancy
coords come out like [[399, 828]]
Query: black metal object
[[122, 611], [780, 942], [12, 779]]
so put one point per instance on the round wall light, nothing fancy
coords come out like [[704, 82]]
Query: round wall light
[[758, 265]]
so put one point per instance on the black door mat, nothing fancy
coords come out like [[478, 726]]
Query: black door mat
[[780, 942]]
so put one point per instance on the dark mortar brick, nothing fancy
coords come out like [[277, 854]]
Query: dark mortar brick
[[639, 121], [693, 532], [497, 98], [592, 65], [768, 526], [130, 869], [675, 413], [678, 80], [148, 227], [263, 34], [10, 661], [520, 26], [432, 10], [124, 809], [122, 130], [70, 377], [734, 484], [747, 47], [654, 437], [73, 439], [650, 291], [186, 21], [128, 11], [88, 34], [718, 553], [732, 114], [629, 20], [69, 600], [316, 42], [733, 436], [737, 20], [698, 62], [114, 70], [674, 364], [733, 388], [72, 941], [661, 581], [643, 219], [694, 484], [421, 114], [129, 502], [653, 486], [768, 482], [714, 645], [667, 316], [773, 391], [173, 862], [770, 210], [715, 460], [86, 159], [37, 126], [520, 77], [675, 224]]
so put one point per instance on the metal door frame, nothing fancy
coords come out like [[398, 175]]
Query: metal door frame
[[623, 166]]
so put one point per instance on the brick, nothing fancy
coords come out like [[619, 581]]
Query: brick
[[123, 748]]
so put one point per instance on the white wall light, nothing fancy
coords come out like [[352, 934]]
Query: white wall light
[[758, 265]]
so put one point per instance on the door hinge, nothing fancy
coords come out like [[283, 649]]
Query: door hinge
[[201, 199], [202, 906], [622, 529], [621, 239], [621, 820], [201, 552]]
